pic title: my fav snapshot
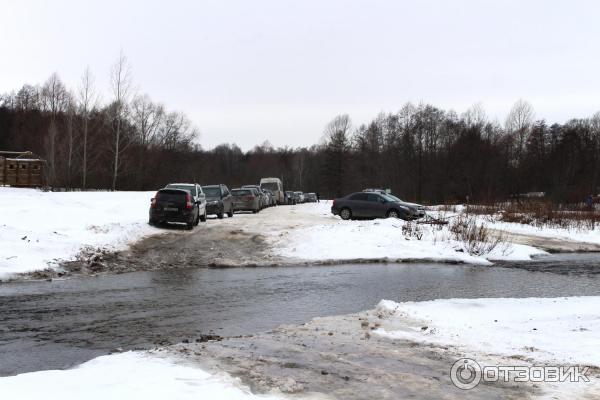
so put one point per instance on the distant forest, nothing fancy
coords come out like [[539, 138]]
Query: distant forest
[[422, 153]]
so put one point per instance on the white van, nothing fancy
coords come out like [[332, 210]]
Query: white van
[[275, 186]]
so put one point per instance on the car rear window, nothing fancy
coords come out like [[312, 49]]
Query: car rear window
[[171, 195], [189, 188], [242, 192]]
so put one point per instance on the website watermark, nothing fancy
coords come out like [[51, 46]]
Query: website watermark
[[467, 373]]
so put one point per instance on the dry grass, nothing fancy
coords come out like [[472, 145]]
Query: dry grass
[[541, 214], [476, 237]]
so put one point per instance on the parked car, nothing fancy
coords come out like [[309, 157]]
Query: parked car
[[299, 197], [290, 198], [263, 196], [271, 196], [218, 200], [370, 205], [246, 200], [417, 209], [197, 195], [174, 205], [275, 186], [311, 197]]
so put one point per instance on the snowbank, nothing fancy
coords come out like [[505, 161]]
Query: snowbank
[[38, 228], [334, 239], [130, 375], [543, 329]]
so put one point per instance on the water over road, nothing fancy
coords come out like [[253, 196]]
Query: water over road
[[58, 324]]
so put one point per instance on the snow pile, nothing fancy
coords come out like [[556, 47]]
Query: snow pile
[[331, 238], [543, 329], [129, 375], [39, 228]]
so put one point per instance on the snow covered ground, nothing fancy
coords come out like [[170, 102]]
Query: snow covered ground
[[330, 238], [38, 228], [563, 330], [131, 375]]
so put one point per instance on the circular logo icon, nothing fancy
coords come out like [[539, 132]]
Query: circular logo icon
[[465, 373]]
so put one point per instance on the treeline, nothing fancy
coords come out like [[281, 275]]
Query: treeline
[[422, 153]]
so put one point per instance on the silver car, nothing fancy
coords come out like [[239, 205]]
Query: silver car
[[246, 200], [263, 197]]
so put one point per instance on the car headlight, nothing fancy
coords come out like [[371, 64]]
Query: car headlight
[[213, 202]]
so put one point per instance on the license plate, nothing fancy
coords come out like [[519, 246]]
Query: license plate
[[171, 209]]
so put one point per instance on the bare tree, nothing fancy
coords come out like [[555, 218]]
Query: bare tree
[[475, 115], [146, 117], [87, 102], [121, 82], [518, 124], [337, 146], [53, 98], [176, 130], [71, 111]]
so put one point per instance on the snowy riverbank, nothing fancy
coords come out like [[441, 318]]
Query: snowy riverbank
[[332, 239], [563, 330], [131, 375], [38, 229]]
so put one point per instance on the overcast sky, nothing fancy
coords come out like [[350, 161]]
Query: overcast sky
[[249, 71]]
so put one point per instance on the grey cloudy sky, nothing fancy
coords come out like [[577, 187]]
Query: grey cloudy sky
[[277, 70]]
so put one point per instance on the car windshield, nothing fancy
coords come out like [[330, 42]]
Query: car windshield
[[189, 188], [274, 186], [241, 192], [212, 191]]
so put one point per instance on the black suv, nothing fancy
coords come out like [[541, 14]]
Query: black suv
[[218, 200], [174, 205]]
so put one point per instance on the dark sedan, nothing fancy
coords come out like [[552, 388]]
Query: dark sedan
[[370, 205]]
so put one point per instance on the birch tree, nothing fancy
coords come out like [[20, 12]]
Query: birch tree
[[121, 82], [87, 102]]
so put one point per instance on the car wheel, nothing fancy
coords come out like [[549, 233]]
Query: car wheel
[[230, 213], [220, 215], [203, 217], [345, 213], [197, 220], [393, 214], [190, 225]]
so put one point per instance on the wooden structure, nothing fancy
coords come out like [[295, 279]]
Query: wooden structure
[[23, 169]]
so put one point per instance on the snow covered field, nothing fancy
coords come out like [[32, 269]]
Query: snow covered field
[[131, 375], [330, 238], [563, 330], [38, 228]]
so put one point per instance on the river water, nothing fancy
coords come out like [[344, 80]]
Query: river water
[[58, 324]]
